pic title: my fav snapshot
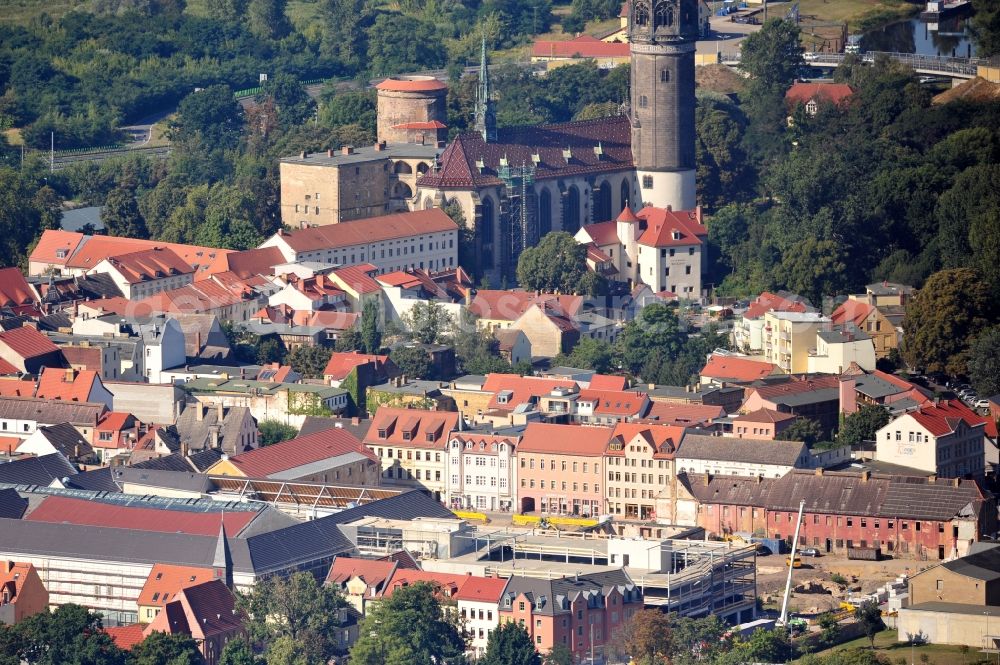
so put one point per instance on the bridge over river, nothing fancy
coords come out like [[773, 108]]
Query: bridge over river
[[946, 67]]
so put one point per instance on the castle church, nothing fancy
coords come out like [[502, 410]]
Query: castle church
[[515, 184]]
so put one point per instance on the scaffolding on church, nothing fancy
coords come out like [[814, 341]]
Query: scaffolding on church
[[518, 214]]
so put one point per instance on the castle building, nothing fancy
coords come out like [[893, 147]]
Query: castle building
[[515, 184]]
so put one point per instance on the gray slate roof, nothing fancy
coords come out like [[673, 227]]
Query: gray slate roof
[[547, 596], [12, 504], [67, 440], [313, 424], [97, 480], [50, 411], [174, 462], [36, 470], [187, 481], [747, 451], [983, 565]]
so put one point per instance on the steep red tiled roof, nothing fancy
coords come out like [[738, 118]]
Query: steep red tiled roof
[[419, 425], [114, 305], [584, 46], [334, 320], [615, 402], [12, 388], [367, 231], [663, 438], [96, 248], [942, 418], [894, 380], [769, 302], [457, 166], [603, 233], [165, 580], [482, 589], [731, 368], [521, 388], [7, 368], [374, 573], [669, 228], [267, 461], [8, 444], [801, 93], [247, 263], [565, 439], [114, 421], [15, 292], [126, 637], [52, 384], [27, 342], [149, 264], [341, 363], [447, 584], [359, 278], [484, 444], [607, 382], [510, 305], [211, 607], [84, 357], [683, 414], [61, 509], [53, 243], [200, 297], [851, 311]]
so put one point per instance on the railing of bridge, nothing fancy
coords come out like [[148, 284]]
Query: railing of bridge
[[924, 63]]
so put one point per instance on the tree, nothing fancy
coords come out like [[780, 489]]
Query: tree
[[275, 431], [829, 627], [772, 55], [407, 628], [986, 27], [371, 333], [270, 349], [267, 19], [984, 362], [649, 637], [412, 361], [510, 644], [943, 319], [402, 43], [655, 331], [48, 202], [869, 617], [815, 268], [427, 320], [293, 103], [71, 635], [121, 215], [559, 654], [589, 353], [350, 340], [210, 117], [309, 361], [296, 611], [166, 649], [806, 430], [237, 652], [557, 263], [863, 424]]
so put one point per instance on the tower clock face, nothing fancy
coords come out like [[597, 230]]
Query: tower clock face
[[663, 20]]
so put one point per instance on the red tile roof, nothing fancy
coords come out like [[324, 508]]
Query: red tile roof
[[411, 428], [149, 264], [851, 311], [114, 305], [615, 402], [447, 584], [60, 509], [482, 589], [510, 305], [769, 302], [165, 580], [12, 388], [248, 262], [374, 573], [802, 93], [8, 444], [7, 368], [565, 439], [796, 386], [457, 166], [894, 380], [27, 342], [607, 382], [412, 84], [735, 369], [334, 320], [211, 607], [670, 228], [126, 637], [664, 439], [267, 461], [83, 357], [15, 292], [341, 364], [764, 416], [603, 233], [522, 388], [200, 297], [367, 231], [683, 414], [942, 418], [584, 46], [52, 384], [433, 124], [52, 244], [96, 248], [484, 444], [359, 278]]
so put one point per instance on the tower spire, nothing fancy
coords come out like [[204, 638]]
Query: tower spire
[[486, 117], [222, 562]]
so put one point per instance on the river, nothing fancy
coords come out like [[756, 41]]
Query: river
[[915, 36]]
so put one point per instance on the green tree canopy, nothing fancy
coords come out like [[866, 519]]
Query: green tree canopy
[[70, 635], [986, 27], [806, 430], [589, 353], [868, 615], [772, 55], [309, 361], [275, 431], [412, 361], [557, 263], [863, 424], [166, 649], [427, 321], [984, 362], [510, 644], [656, 331], [407, 628], [371, 331], [121, 215]]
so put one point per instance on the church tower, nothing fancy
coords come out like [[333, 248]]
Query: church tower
[[662, 36], [486, 115]]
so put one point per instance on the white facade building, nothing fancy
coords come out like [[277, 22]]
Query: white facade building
[[947, 439], [482, 473]]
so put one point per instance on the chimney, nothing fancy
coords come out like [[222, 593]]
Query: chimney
[[708, 478], [329, 153], [931, 479], [200, 413], [76, 451], [347, 150], [219, 412], [185, 450], [70, 374], [866, 476], [955, 482], [10, 566], [197, 341], [819, 471]]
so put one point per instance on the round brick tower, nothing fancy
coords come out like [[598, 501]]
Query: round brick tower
[[662, 36], [412, 109]]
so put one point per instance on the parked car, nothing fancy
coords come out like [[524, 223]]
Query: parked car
[[982, 404], [809, 551]]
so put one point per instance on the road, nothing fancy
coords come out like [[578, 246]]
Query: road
[[141, 131]]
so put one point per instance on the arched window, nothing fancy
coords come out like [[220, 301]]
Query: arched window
[[544, 212], [640, 17], [428, 203], [602, 203], [402, 167], [625, 191], [663, 16], [402, 191], [486, 222], [422, 168], [571, 212]]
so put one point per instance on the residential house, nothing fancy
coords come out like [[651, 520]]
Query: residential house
[[332, 456], [232, 429], [548, 330], [482, 471], [143, 273], [28, 350], [513, 346], [907, 517], [410, 393], [973, 579], [858, 388], [426, 239], [222, 295], [288, 403], [584, 613], [609, 407], [871, 320], [560, 469], [723, 369], [368, 369], [946, 438], [411, 444], [664, 249], [816, 398], [309, 294], [496, 309], [73, 386], [207, 612], [813, 95], [685, 415], [358, 283], [163, 584], [116, 435], [789, 336], [22, 593], [748, 330], [102, 358], [640, 463], [511, 395], [478, 601], [21, 416], [762, 424], [361, 581], [739, 457], [447, 290], [62, 438], [838, 349], [16, 295], [580, 49], [204, 337], [247, 263]]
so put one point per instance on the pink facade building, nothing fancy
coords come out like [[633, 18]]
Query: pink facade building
[[560, 469]]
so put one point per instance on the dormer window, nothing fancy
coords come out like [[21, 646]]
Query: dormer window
[[430, 437], [382, 433], [60, 253], [676, 235], [407, 436]]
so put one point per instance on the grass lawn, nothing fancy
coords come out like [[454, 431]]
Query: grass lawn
[[857, 13], [22, 11], [887, 646]]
